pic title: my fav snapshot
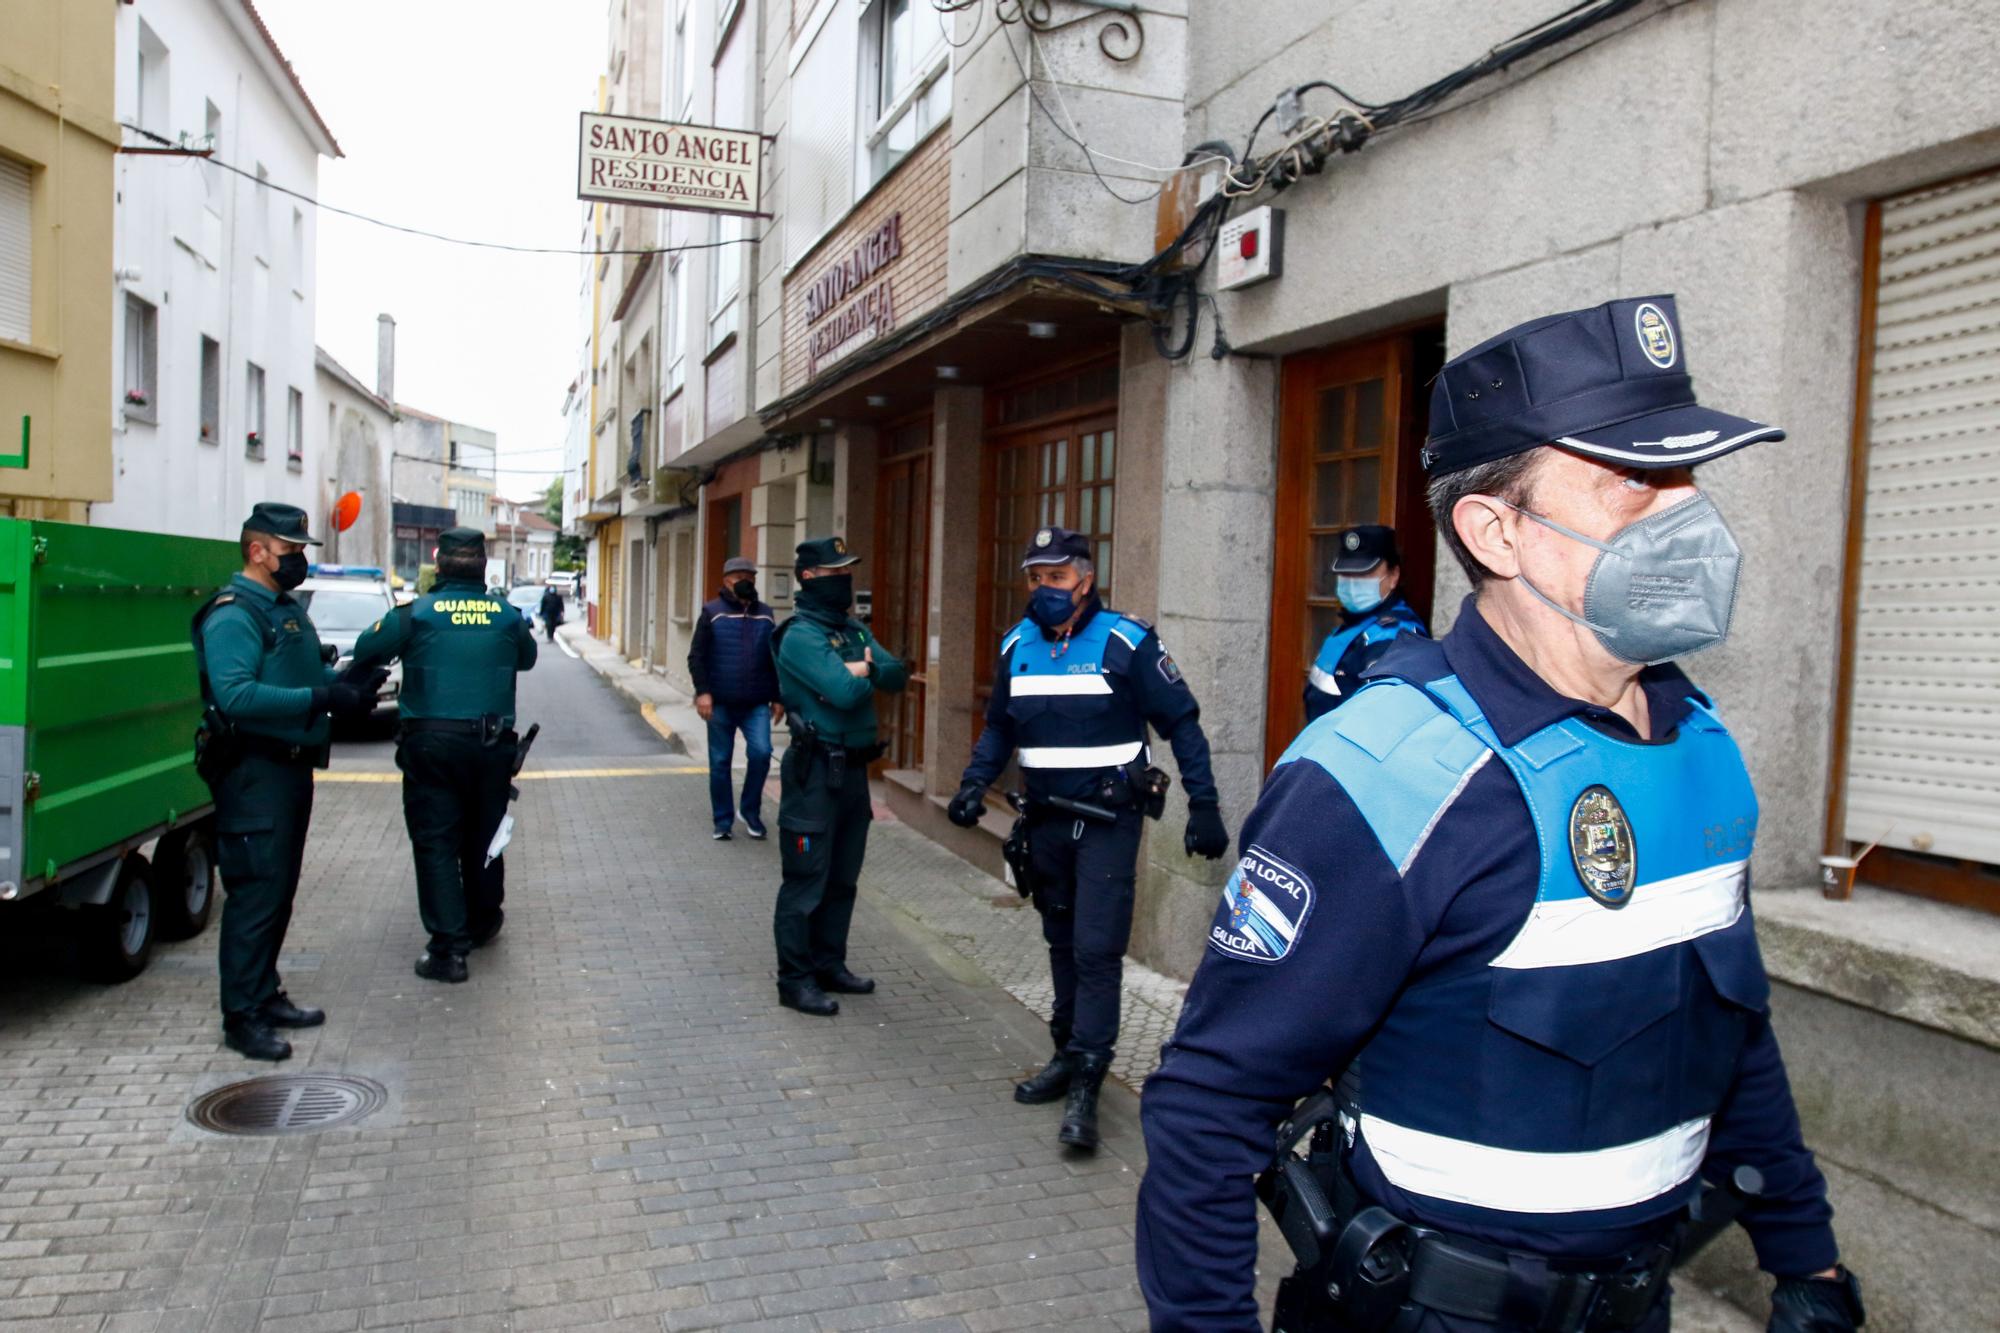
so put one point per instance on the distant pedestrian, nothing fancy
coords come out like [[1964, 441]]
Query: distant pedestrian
[[829, 668], [268, 690], [552, 611], [736, 689], [462, 648]]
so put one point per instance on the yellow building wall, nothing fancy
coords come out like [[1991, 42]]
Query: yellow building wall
[[57, 118]]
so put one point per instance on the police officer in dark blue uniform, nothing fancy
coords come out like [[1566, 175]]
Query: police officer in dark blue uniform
[[1075, 689], [1366, 572], [1504, 890]]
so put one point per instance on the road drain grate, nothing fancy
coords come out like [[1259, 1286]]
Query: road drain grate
[[287, 1104]]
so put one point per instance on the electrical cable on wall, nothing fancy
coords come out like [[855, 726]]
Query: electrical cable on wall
[[269, 184]]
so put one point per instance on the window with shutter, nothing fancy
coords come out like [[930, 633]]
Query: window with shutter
[[1921, 713], [17, 251]]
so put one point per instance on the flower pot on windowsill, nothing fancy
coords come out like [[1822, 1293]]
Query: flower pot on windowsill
[[137, 398], [254, 443]]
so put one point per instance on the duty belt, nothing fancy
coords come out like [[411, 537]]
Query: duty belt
[[277, 751], [450, 726], [487, 730], [1360, 1266]]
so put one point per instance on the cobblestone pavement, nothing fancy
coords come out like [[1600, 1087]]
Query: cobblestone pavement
[[611, 1126]]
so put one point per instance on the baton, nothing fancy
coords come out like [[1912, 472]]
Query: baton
[[1083, 808], [505, 833]]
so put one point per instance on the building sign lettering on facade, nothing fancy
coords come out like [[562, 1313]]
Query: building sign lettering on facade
[[865, 317], [624, 160]]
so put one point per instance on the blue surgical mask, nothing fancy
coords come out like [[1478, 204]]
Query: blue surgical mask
[[1050, 607], [1358, 594]]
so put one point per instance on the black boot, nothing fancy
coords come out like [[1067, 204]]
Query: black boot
[[254, 1038], [280, 1012], [843, 982], [807, 998], [445, 967], [1079, 1123], [1053, 1081]]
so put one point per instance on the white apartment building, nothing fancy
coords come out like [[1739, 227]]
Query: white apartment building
[[213, 365]]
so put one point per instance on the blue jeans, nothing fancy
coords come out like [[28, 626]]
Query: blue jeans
[[724, 721]]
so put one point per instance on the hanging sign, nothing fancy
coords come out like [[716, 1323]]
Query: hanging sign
[[626, 160]]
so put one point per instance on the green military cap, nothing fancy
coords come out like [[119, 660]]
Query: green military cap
[[462, 541], [280, 520], [824, 553]]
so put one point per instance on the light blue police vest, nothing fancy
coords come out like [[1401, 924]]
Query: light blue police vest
[[1568, 1081], [1369, 630], [1066, 715]]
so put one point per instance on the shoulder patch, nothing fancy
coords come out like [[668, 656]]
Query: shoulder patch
[[1263, 910], [1169, 669]]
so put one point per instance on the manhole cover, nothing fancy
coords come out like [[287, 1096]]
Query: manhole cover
[[287, 1104]]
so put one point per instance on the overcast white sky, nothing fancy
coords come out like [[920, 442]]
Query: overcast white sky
[[462, 119]]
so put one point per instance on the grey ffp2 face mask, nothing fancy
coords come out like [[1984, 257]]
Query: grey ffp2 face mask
[[1662, 587]]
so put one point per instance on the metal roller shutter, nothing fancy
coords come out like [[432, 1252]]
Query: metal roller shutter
[[1924, 732], [16, 252]]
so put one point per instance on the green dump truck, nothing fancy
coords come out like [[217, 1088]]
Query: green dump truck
[[102, 815]]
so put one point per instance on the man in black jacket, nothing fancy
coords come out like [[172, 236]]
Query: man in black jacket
[[552, 611], [736, 688]]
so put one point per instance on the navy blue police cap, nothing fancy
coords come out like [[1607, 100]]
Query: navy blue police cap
[[1055, 546], [1610, 383], [1363, 547]]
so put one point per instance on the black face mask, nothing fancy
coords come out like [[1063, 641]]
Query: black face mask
[[828, 592], [744, 591], [291, 570]]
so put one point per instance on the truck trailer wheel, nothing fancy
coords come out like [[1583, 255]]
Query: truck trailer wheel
[[118, 937], [184, 880]]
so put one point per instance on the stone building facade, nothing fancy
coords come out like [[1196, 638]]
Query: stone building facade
[[942, 358]]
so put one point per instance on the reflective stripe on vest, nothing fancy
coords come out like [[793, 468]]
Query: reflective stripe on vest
[[1536, 1182], [1322, 680], [1079, 756]]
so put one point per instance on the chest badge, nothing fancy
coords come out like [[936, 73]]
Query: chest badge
[[1600, 844], [291, 625]]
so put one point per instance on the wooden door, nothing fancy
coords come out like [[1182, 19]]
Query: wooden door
[[902, 583], [1351, 424], [1063, 474]]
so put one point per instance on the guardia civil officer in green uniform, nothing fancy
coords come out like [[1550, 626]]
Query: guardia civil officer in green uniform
[[829, 668], [462, 647], [269, 690]]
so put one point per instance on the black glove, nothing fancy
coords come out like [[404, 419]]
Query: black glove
[[966, 807], [1206, 835], [1817, 1304], [370, 681], [329, 654], [346, 700]]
